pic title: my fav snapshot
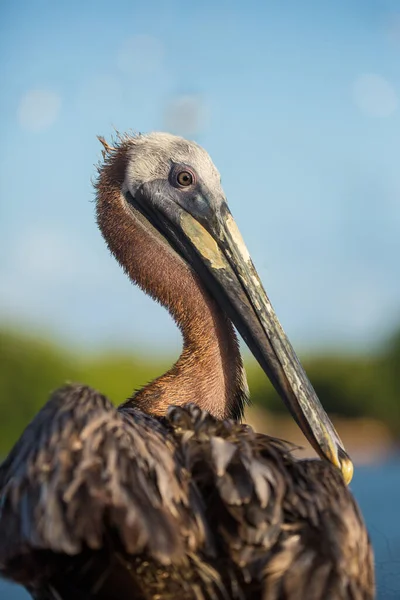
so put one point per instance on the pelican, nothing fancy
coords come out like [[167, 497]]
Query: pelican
[[169, 495]]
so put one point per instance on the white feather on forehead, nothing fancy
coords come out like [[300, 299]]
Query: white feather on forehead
[[151, 157]]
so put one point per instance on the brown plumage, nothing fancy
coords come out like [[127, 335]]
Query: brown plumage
[[169, 496], [210, 367]]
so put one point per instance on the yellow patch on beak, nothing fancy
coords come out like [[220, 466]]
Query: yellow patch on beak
[[237, 238], [203, 241]]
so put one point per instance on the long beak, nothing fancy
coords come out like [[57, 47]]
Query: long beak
[[217, 252], [247, 304]]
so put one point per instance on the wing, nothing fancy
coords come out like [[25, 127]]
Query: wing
[[83, 472], [286, 528]]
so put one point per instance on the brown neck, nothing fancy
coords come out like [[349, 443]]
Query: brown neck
[[209, 372]]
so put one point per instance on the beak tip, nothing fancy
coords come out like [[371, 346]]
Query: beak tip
[[346, 466]]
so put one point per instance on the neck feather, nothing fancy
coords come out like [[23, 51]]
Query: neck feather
[[209, 371]]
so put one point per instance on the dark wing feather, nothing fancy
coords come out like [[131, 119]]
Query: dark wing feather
[[288, 529], [82, 472]]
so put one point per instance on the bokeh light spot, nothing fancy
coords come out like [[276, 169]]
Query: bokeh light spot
[[393, 28], [374, 95], [185, 115], [38, 109]]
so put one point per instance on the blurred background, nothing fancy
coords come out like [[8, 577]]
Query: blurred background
[[298, 105]]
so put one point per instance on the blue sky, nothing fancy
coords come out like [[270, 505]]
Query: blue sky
[[298, 105]]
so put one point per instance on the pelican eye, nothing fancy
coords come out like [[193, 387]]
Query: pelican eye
[[185, 178]]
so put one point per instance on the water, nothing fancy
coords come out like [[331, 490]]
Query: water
[[377, 490]]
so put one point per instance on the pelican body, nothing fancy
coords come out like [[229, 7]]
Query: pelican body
[[169, 496]]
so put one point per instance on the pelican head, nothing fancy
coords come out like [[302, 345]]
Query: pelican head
[[173, 184]]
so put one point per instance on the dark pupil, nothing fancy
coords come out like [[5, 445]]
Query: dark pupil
[[185, 178]]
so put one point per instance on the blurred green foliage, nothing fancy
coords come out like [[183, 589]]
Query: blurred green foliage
[[31, 368]]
